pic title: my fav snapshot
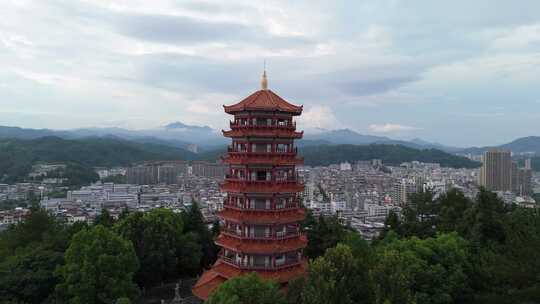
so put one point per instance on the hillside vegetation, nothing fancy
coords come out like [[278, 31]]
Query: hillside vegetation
[[17, 156], [389, 154]]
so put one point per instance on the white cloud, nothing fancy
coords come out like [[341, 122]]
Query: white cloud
[[318, 117], [515, 38], [390, 128]]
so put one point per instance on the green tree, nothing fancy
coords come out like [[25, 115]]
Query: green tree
[[105, 219], [510, 271], [453, 205], [247, 289], [99, 268], [483, 222], [392, 223], [38, 227], [322, 233], [164, 250], [431, 270], [393, 277], [338, 277], [28, 276], [194, 223], [420, 215]]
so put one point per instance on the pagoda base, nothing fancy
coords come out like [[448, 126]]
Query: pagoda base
[[221, 272]]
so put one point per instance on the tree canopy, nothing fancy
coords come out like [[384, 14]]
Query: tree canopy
[[99, 268], [247, 289]]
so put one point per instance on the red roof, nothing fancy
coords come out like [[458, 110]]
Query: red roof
[[261, 187], [264, 100], [255, 217], [220, 272], [261, 247], [277, 133]]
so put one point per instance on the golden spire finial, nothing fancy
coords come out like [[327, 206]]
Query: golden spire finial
[[264, 81]]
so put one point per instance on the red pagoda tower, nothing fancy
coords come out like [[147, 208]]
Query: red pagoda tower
[[262, 210]]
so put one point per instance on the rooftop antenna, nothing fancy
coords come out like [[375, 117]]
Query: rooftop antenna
[[264, 81]]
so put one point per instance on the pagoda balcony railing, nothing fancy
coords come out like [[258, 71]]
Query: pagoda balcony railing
[[289, 180], [248, 266], [285, 207], [293, 151], [235, 125], [266, 236]]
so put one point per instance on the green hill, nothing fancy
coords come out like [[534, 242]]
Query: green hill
[[390, 155], [17, 156]]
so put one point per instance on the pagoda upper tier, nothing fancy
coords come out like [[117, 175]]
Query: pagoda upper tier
[[264, 100]]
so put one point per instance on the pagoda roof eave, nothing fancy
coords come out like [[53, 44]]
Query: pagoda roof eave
[[253, 217], [263, 100], [261, 247]]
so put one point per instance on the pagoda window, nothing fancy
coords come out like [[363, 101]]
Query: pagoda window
[[281, 203], [260, 231], [262, 175], [283, 148], [260, 260], [281, 231], [282, 122], [280, 260], [261, 148], [261, 204]]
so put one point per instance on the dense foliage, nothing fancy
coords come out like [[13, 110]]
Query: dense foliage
[[448, 249], [445, 250], [161, 244], [99, 268], [43, 260], [247, 289]]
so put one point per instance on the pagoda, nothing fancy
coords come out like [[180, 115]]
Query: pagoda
[[262, 210]]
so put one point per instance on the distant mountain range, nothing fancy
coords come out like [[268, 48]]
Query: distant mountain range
[[350, 137], [180, 135], [522, 146], [175, 134]]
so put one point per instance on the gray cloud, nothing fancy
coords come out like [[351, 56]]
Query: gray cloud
[[364, 87], [179, 29], [101, 61]]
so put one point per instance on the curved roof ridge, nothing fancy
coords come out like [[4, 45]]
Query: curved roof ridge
[[264, 100]]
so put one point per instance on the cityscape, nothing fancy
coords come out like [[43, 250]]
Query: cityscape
[[237, 152]]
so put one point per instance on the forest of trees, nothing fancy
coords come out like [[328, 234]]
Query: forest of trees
[[444, 250], [43, 260]]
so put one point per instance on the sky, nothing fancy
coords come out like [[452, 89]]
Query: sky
[[461, 73]]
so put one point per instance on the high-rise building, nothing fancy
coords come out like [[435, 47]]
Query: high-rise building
[[521, 179], [528, 164], [496, 171], [403, 189], [158, 172], [208, 169], [262, 210], [142, 174]]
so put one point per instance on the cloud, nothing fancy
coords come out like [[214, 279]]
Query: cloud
[[391, 128], [318, 117], [518, 37], [348, 63], [376, 86]]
